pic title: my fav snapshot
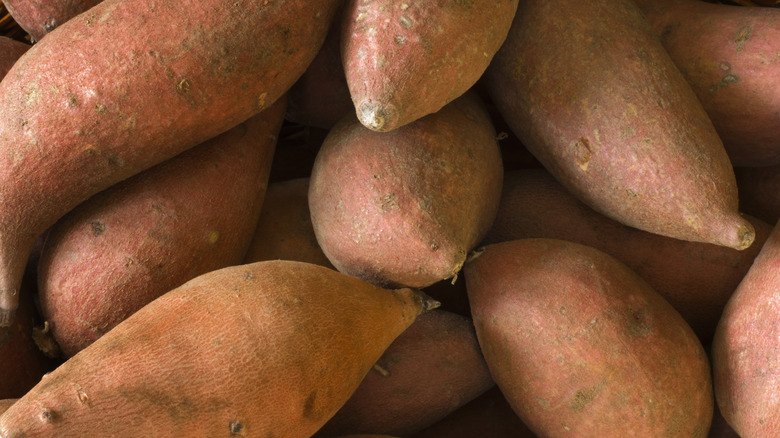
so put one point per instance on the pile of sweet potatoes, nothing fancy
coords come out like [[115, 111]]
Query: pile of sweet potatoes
[[390, 218]]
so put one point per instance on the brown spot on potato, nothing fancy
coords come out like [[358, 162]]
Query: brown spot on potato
[[236, 427], [98, 228], [743, 36], [308, 405], [405, 22]]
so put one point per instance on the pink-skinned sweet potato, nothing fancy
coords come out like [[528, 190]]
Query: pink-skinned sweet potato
[[284, 230], [405, 207], [431, 369], [588, 88], [729, 55], [10, 51], [248, 350], [696, 278], [39, 17], [150, 233], [580, 345], [746, 349], [127, 85], [404, 60]]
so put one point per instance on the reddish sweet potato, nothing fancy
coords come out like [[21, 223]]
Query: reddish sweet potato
[[404, 60], [133, 242], [251, 350], [696, 278], [488, 415], [39, 17], [10, 51], [581, 346], [405, 207], [430, 370], [729, 56], [284, 230], [746, 349], [587, 86], [127, 85]]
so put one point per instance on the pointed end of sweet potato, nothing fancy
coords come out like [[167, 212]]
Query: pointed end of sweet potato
[[738, 234], [377, 117]]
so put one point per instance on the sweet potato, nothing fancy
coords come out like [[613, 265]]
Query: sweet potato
[[6, 403], [590, 90], [729, 56], [39, 17], [759, 191], [148, 234], [127, 85], [696, 278], [405, 60], [746, 349], [405, 207], [284, 230], [488, 415], [251, 350], [582, 346], [430, 370], [10, 51]]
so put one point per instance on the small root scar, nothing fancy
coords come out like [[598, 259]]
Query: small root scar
[[236, 428], [582, 153]]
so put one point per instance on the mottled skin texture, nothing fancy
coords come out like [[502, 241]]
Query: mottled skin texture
[[730, 57], [746, 349], [405, 59], [430, 370], [488, 415], [39, 17], [591, 92], [759, 191], [251, 350], [121, 88], [581, 346], [148, 234], [284, 230], [696, 278], [405, 207]]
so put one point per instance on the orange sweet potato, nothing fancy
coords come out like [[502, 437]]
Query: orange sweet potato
[[39, 17], [148, 234], [590, 90], [696, 278], [581, 346], [430, 370], [404, 60], [729, 56], [249, 350], [746, 349], [127, 85], [284, 230]]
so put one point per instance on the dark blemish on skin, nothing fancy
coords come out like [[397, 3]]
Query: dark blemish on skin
[[50, 25], [308, 405], [47, 415], [743, 35], [236, 427], [183, 86], [724, 82], [101, 109], [98, 228]]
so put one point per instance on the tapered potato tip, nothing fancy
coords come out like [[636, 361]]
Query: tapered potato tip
[[377, 117], [738, 234], [7, 317]]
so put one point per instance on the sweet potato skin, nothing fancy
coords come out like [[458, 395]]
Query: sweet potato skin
[[254, 349], [581, 346], [10, 51], [284, 230], [39, 17], [745, 349], [83, 109], [729, 56], [405, 207], [431, 369], [632, 142], [134, 241], [405, 60], [696, 278]]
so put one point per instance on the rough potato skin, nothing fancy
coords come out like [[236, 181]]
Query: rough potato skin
[[129, 84], [249, 350], [591, 92], [150, 233], [10, 51], [430, 370], [696, 278], [405, 59], [39, 17], [746, 349], [284, 230], [729, 56], [581, 346], [404, 208]]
